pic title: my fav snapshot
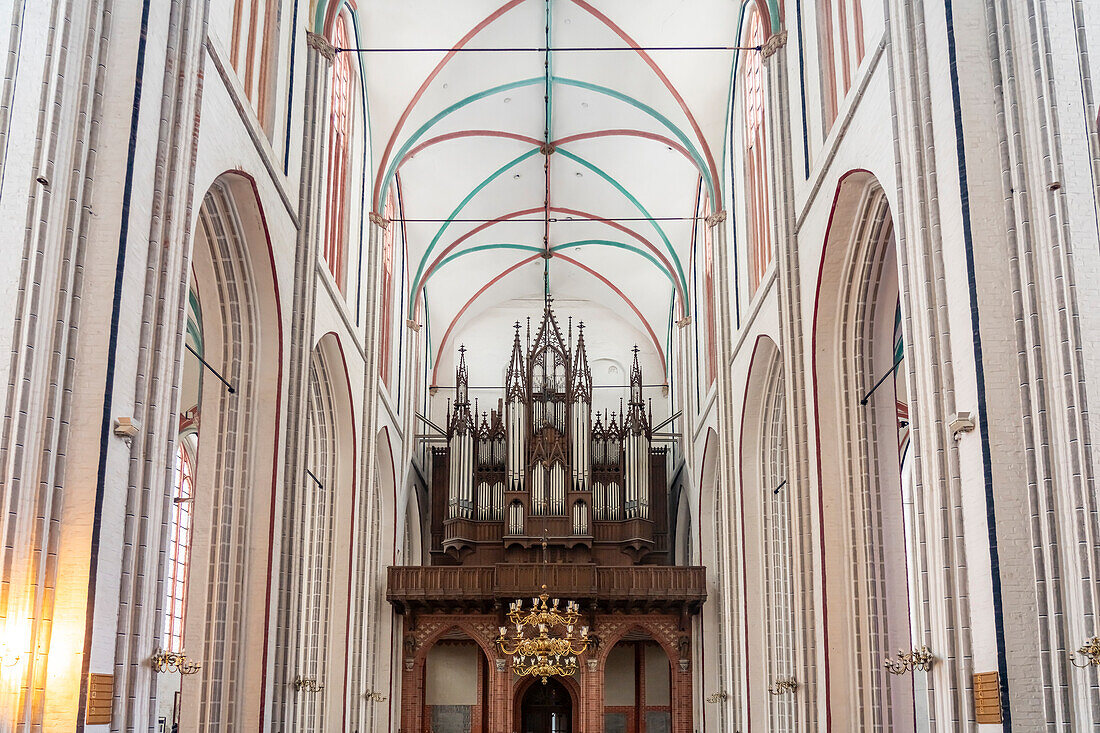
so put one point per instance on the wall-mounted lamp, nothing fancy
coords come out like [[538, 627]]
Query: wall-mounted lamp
[[1090, 651], [174, 662], [718, 697], [920, 658], [374, 696], [308, 684], [783, 685]]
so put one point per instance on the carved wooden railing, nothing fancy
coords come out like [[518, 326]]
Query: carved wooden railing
[[433, 585]]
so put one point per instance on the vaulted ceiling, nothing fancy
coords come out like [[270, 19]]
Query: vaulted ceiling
[[586, 166]]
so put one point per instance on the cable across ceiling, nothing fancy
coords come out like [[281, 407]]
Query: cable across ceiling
[[570, 154]]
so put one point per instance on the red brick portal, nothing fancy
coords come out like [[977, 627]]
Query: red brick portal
[[505, 690]]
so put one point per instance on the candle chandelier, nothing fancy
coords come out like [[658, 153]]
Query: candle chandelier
[[538, 647]]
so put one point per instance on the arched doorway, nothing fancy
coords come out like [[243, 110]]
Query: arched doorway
[[546, 708]]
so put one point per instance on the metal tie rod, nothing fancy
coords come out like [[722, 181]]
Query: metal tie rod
[[229, 387], [542, 49]]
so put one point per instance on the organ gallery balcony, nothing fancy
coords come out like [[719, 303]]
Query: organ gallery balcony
[[419, 589]]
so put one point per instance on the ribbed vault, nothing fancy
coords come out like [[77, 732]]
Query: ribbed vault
[[583, 169]]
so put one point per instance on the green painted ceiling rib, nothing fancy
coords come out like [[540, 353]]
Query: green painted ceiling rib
[[415, 137], [620, 245], [638, 205], [568, 245], [572, 156], [680, 135], [458, 209], [480, 248], [665, 122]]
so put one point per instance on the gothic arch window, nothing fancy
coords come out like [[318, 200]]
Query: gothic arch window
[[181, 513], [778, 588], [341, 125], [840, 44], [254, 37], [755, 154]]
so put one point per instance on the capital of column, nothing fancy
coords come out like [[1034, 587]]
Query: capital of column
[[775, 42], [716, 218], [378, 219], [321, 45]]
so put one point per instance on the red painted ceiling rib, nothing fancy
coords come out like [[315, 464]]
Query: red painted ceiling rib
[[621, 294], [668, 85], [521, 263], [674, 144], [557, 210], [469, 133], [475, 296], [424, 87], [460, 240]]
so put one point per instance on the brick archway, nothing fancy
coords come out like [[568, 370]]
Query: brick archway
[[524, 685]]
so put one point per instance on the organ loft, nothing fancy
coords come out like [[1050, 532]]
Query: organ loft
[[543, 494], [542, 465]]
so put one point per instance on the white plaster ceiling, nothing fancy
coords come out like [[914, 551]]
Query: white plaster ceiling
[[635, 134]]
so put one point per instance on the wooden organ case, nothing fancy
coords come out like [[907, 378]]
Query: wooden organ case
[[544, 495], [541, 464]]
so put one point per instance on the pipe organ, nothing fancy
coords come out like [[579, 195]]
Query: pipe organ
[[592, 484]]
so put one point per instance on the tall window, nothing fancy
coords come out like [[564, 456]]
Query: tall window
[[339, 155], [756, 171], [255, 33], [179, 550], [840, 39], [777, 546], [386, 323]]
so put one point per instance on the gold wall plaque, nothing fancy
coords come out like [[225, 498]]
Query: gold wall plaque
[[101, 693], [987, 697]]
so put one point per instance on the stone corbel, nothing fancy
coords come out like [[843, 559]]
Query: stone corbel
[[775, 42], [321, 45]]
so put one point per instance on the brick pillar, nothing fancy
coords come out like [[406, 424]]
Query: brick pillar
[[412, 694], [592, 700], [500, 713], [681, 697]]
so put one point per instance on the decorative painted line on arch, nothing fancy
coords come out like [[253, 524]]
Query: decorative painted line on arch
[[704, 169], [464, 308], [628, 301], [469, 133], [481, 248], [504, 134], [487, 21], [462, 204], [572, 156], [714, 190], [568, 245], [418, 286], [383, 182], [528, 260], [632, 199]]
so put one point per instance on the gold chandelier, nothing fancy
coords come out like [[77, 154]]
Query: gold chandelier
[[543, 655]]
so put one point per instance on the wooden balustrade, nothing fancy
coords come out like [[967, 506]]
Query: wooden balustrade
[[445, 587]]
